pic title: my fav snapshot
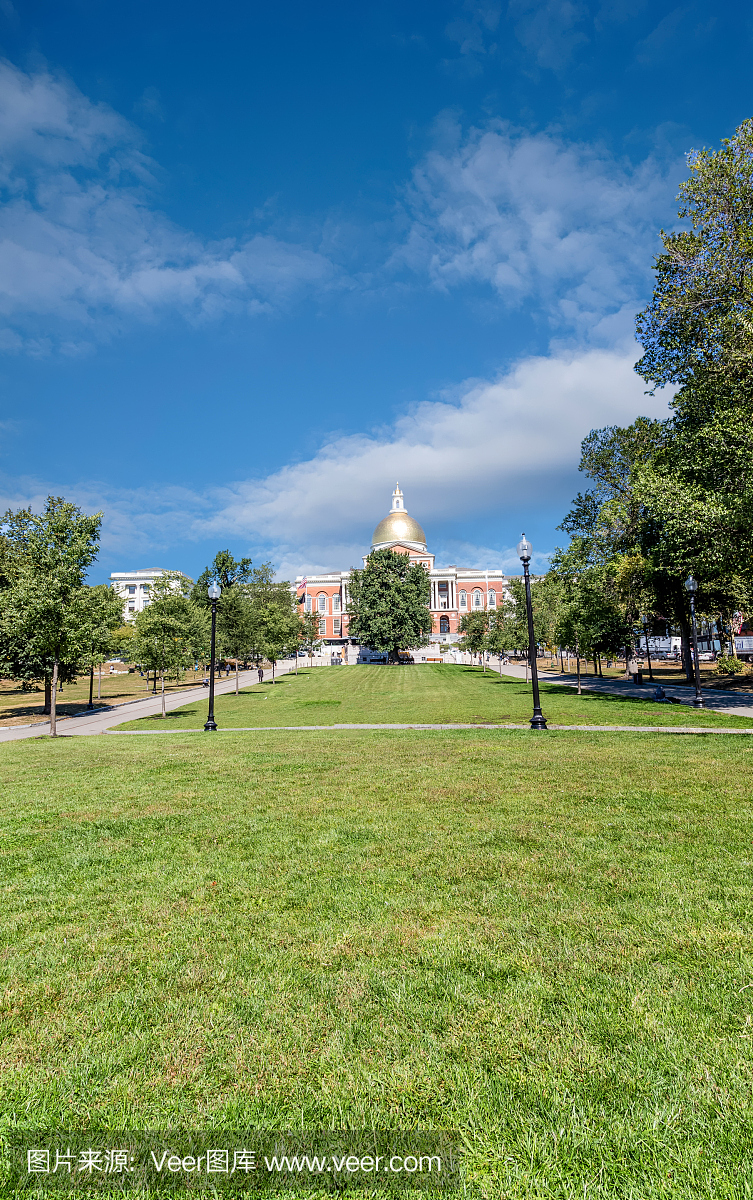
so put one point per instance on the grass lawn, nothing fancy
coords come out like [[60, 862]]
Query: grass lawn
[[25, 708], [426, 693], [543, 942]]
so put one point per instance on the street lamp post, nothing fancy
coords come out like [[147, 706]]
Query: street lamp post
[[214, 591], [691, 587], [538, 721]]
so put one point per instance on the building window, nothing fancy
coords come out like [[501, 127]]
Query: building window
[[463, 600], [336, 627], [492, 599], [145, 587], [335, 603], [477, 599], [321, 603], [444, 624], [132, 591], [131, 608], [308, 604], [322, 627]]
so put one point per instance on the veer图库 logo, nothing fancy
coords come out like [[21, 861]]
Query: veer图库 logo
[[232, 1161]]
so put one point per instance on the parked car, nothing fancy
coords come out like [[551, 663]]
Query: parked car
[[706, 656]]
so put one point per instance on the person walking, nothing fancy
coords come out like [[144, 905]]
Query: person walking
[[261, 674]]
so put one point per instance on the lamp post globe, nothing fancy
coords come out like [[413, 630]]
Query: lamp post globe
[[691, 587], [214, 591], [538, 721]]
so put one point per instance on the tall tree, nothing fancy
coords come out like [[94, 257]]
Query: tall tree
[[310, 636], [100, 617], [389, 604], [235, 625], [45, 560], [474, 627], [171, 631], [698, 328], [226, 570], [277, 632]]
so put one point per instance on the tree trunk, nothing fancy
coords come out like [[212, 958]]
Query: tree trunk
[[162, 674], [236, 676], [47, 696], [274, 664], [601, 673], [577, 665], [99, 683], [53, 700]]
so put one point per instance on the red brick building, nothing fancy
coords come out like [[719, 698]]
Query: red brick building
[[454, 590]]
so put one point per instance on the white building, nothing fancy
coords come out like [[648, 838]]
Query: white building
[[135, 586]]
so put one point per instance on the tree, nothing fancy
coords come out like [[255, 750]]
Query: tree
[[235, 625], [45, 560], [277, 632], [172, 631], [389, 604], [99, 612], [226, 570], [310, 638], [698, 328], [496, 638], [474, 627]]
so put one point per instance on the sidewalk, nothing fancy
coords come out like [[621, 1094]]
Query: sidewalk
[[716, 701], [99, 721]]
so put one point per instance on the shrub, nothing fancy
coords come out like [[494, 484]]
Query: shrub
[[727, 664]]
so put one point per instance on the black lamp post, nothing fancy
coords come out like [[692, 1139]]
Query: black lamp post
[[691, 587], [538, 721], [214, 591]]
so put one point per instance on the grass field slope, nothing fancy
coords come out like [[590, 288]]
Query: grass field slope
[[541, 942], [432, 694]]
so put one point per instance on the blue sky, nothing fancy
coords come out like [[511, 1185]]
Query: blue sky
[[259, 261]]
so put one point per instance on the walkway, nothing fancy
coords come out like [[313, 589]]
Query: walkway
[[330, 728], [100, 720], [728, 702]]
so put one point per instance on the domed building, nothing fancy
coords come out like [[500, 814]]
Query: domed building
[[454, 590]]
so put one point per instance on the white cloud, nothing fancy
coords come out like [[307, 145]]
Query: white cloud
[[510, 444], [493, 446], [81, 245], [559, 224]]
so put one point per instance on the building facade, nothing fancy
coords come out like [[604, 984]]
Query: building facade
[[454, 590], [135, 588]]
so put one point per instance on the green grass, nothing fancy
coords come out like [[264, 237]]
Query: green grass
[[436, 694], [541, 942]]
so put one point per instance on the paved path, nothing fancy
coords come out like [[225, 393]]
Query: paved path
[[101, 720], [329, 728], [728, 702]]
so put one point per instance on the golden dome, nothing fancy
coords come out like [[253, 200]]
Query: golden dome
[[398, 527]]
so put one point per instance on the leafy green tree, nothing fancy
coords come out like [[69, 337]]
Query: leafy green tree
[[496, 638], [278, 632], [171, 631], [310, 637], [262, 589], [226, 570], [45, 558], [474, 626], [698, 328], [99, 612], [389, 604], [235, 625]]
